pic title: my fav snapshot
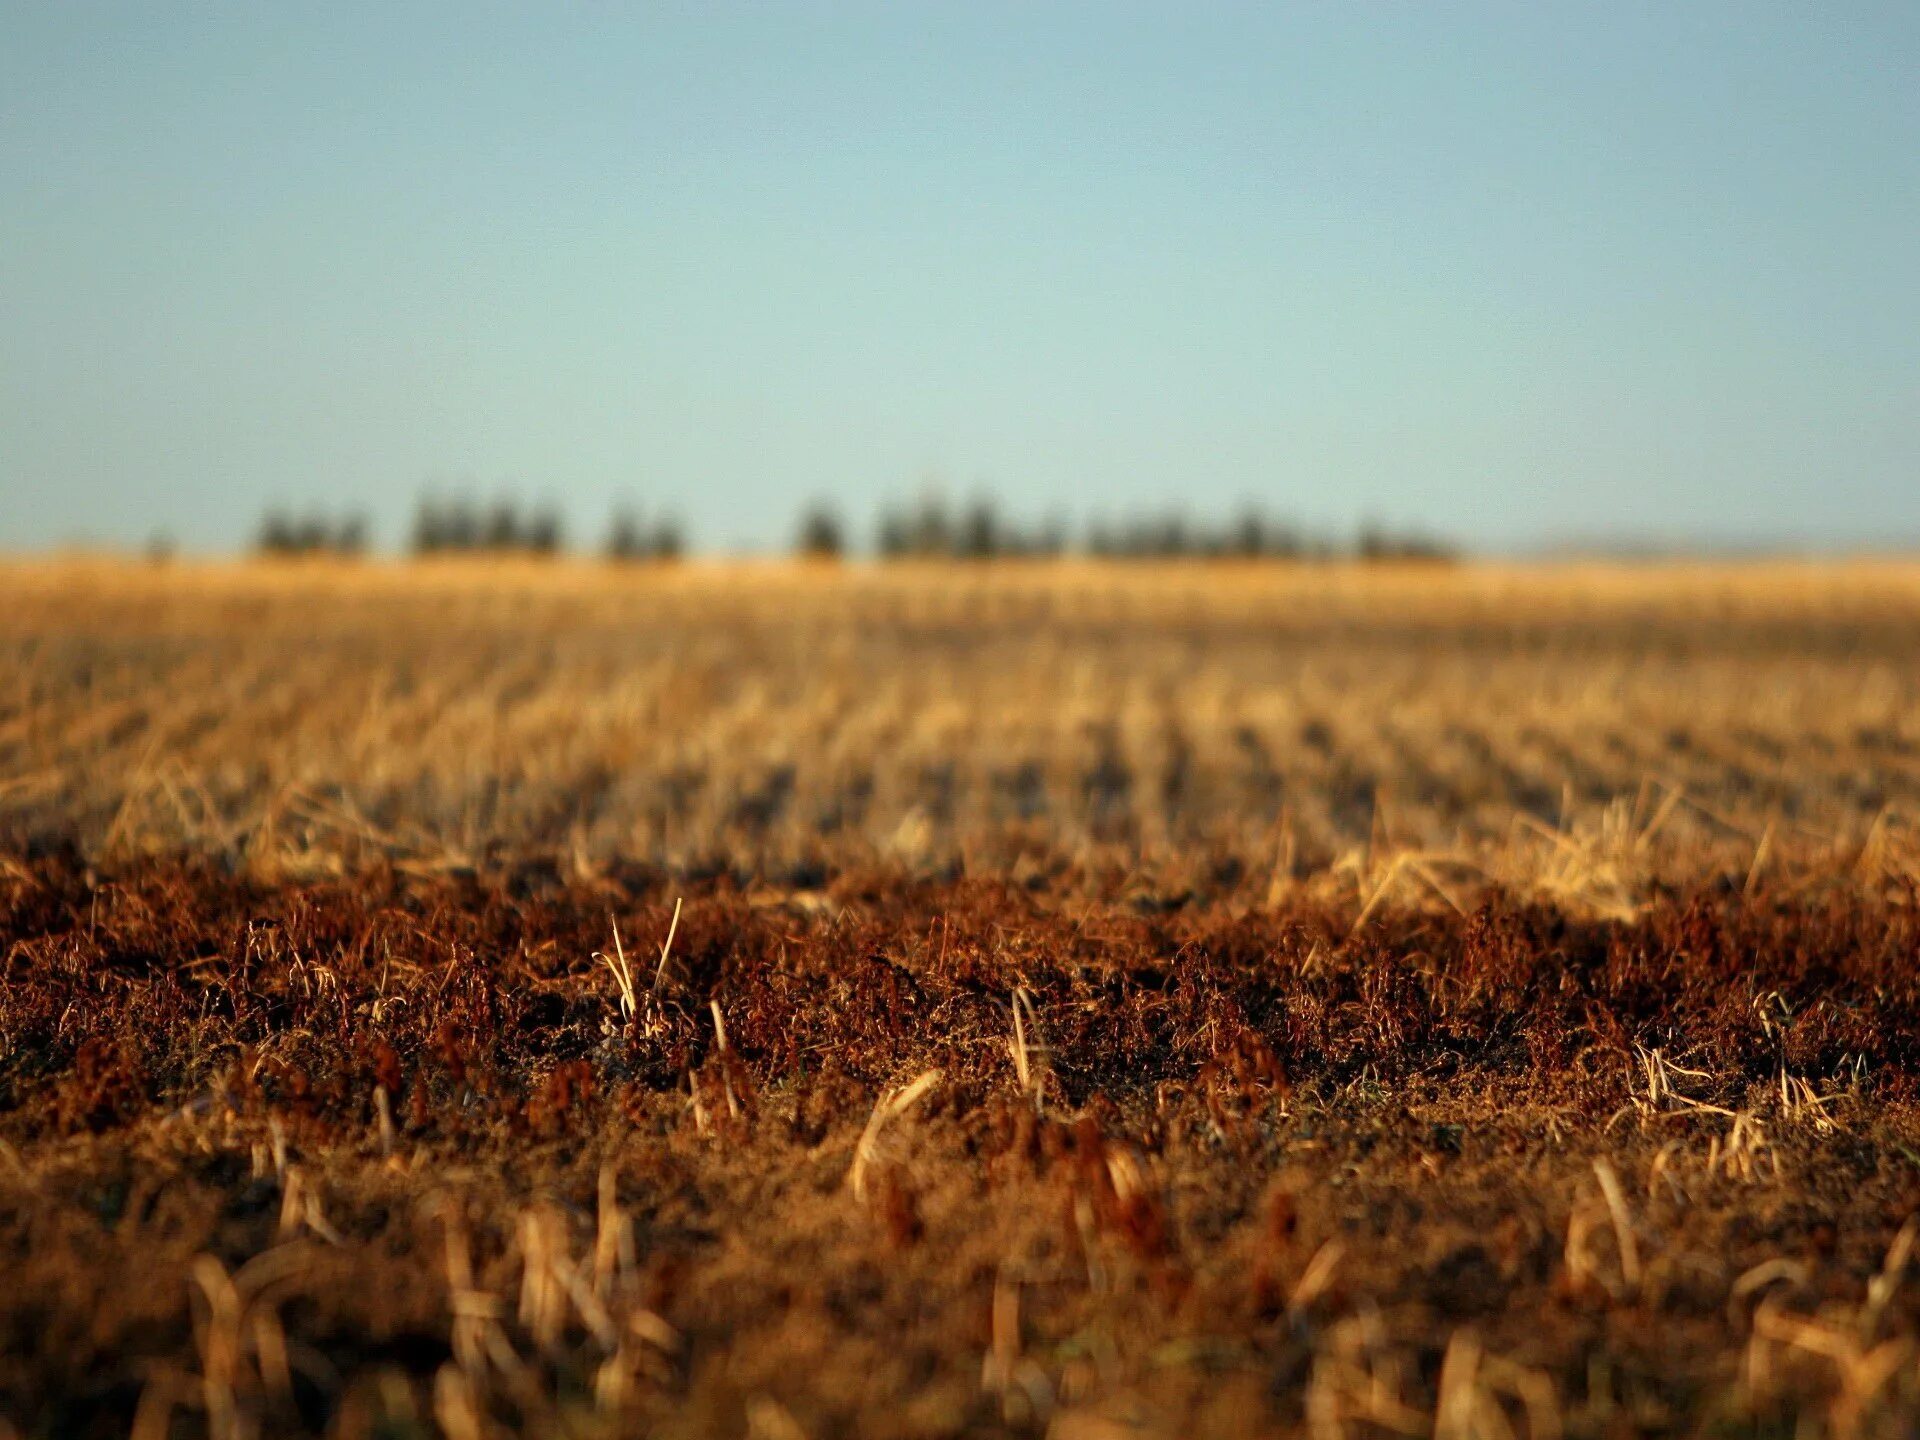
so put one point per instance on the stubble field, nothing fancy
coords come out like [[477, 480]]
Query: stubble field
[[1471, 1002]]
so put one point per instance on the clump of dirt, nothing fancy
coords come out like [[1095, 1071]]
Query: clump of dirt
[[400, 1154]]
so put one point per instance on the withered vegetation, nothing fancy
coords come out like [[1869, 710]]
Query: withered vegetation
[[1425, 730], [894, 1156], [1045, 1001]]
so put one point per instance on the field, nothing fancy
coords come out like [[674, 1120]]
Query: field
[[537, 998]]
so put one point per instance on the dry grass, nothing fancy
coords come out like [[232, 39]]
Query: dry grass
[[1398, 736], [1437, 1177], [1479, 1004]]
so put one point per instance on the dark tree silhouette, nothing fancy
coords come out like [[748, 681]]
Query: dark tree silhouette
[[821, 535]]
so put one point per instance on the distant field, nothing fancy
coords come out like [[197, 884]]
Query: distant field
[[1268, 721], [1469, 1002]]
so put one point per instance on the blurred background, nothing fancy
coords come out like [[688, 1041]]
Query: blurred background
[[722, 278]]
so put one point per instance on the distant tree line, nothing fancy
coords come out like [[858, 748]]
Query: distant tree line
[[458, 526], [927, 529], [1171, 535], [631, 537], [311, 533], [1381, 542], [976, 531]]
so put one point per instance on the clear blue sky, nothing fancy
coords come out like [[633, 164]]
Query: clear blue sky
[[1513, 272]]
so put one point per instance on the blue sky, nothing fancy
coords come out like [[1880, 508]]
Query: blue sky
[[1516, 273]]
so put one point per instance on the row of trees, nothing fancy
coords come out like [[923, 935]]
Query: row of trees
[[311, 533], [632, 536], [928, 529], [460, 526]]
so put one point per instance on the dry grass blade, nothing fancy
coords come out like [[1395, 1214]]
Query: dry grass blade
[[1029, 1052], [1317, 1279], [622, 973], [1629, 1249], [891, 1106], [666, 950]]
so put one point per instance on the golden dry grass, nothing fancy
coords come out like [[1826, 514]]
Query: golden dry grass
[[1339, 1002], [1397, 734]]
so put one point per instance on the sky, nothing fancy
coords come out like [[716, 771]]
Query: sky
[[1521, 275]]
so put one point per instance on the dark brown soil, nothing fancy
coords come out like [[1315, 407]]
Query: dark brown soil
[[385, 1157]]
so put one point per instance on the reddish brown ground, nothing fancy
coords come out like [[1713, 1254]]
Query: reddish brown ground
[[1263, 1175]]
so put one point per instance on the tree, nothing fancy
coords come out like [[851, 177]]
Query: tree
[[821, 536]]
